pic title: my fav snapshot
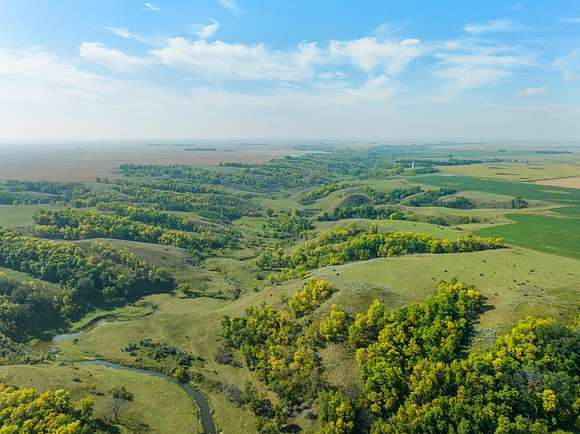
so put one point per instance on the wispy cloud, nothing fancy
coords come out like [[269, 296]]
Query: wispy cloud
[[501, 25], [569, 66], [231, 6], [151, 7], [569, 20], [127, 34], [533, 91], [465, 67], [112, 59], [206, 31], [121, 32], [370, 54], [35, 74]]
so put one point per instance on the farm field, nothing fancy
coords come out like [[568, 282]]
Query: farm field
[[559, 235], [525, 190], [543, 172], [568, 182], [85, 163]]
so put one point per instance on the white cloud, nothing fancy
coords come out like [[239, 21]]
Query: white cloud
[[39, 76], [219, 60], [48, 98], [115, 60], [205, 31], [127, 34], [501, 25], [570, 20], [231, 6], [333, 75], [151, 7], [464, 67], [533, 91], [370, 54], [121, 32]]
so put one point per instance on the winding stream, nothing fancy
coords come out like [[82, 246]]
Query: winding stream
[[195, 395]]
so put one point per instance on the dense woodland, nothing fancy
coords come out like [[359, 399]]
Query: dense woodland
[[417, 375], [27, 410], [77, 280]]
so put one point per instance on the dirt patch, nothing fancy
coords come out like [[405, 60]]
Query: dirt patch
[[570, 182]]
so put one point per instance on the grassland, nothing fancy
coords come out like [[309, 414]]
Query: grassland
[[190, 324], [517, 282], [547, 233], [85, 163], [518, 171], [19, 215], [141, 415]]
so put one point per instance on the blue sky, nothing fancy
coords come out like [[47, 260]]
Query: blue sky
[[289, 69]]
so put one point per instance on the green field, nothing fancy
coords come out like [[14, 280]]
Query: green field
[[141, 415], [551, 234], [535, 170], [525, 190], [19, 216]]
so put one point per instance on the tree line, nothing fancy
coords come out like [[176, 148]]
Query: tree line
[[72, 224], [343, 244]]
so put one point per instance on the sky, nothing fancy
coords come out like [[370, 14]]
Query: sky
[[318, 69]]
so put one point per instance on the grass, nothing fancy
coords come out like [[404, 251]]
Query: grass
[[141, 415], [397, 226], [19, 215], [516, 171], [517, 282], [521, 189], [190, 324], [573, 210], [546, 233]]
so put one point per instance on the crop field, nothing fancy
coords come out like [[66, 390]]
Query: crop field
[[85, 163], [569, 182], [525, 190], [552, 234], [533, 171]]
